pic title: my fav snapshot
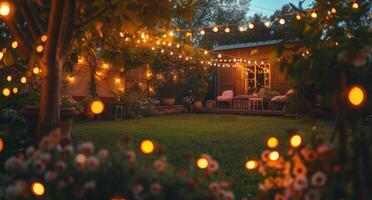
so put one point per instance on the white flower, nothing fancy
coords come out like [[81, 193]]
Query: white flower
[[318, 179], [90, 186], [214, 187], [68, 150], [300, 182]]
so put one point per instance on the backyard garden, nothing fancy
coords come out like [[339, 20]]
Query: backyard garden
[[185, 99]]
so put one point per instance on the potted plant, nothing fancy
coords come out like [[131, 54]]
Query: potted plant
[[69, 109], [167, 91]]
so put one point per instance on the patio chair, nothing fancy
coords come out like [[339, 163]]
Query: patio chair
[[257, 102], [226, 97]]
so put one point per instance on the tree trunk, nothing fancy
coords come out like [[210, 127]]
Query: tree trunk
[[50, 102]]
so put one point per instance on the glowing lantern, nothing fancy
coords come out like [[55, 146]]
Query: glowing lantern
[[38, 189], [15, 90], [117, 81], [14, 44], [4, 9], [251, 164], [357, 96], [355, 5], [295, 141], [97, 107], [273, 142], [23, 80], [314, 15], [36, 70], [40, 48], [9, 78], [251, 26], [215, 29], [274, 155], [44, 38], [267, 24], [147, 147], [202, 163], [202, 32], [282, 21], [6, 92]]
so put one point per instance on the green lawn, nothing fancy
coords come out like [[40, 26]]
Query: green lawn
[[230, 139]]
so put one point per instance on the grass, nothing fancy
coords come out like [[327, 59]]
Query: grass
[[230, 139]]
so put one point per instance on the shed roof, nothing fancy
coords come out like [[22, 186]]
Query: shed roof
[[247, 45]]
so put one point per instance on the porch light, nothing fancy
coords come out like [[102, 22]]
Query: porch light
[[202, 163], [44, 38], [356, 96], [38, 189], [4, 9], [251, 164], [295, 141], [147, 147], [215, 29], [97, 107]]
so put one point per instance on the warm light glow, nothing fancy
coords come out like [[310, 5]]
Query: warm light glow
[[44, 38], [298, 17], [171, 33], [14, 44], [219, 56], [70, 78], [4, 9], [227, 30], [251, 26], [81, 60], [147, 147], [9, 78], [1, 145], [23, 80], [105, 66], [333, 11], [273, 142], [6, 92], [314, 15], [117, 80], [355, 5], [205, 52], [36, 70], [121, 34], [296, 140], [40, 48], [241, 28], [1, 55], [97, 107], [38, 189], [215, 29], [251, 164], [267, 24], [202, 163], [282, 21], [202, 32], [274, 155], [15, 90], [356, 96]]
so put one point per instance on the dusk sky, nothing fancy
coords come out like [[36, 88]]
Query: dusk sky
[[268, 6]]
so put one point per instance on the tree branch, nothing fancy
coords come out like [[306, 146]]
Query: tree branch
[[93, 17], [54, 26], [67, 31], [32, 24]]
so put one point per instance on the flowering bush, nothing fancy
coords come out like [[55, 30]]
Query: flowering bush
[[61, 171], [304, 172]]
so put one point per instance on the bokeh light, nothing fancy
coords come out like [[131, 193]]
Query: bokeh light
[[273, 142], [356, 96], [38, 189], [36, 70], [274, 155], [97, 107], [296, 140], [4, 9], [251, 164], [147, 147], [202, 163]]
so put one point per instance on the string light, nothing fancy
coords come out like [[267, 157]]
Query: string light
[[97, 107], [215, 29], [147, 147], [37, 189], [4, 9], [1, 55], [171, 33], [251, 26], [219, 56], [9, 78], [273, 142], [267, 24], [14, 44], [15, 90], [70, 78], [227, 30], [6, 92], [251, 164], [282, 21], [23, 80], [1, 144], [39, 48], [356, 96], [355, 5], [274, 155], [202, 32], [202, 163], [205, 52], [241, 28], [44, 38], [295, 141], [314, 15], [333, 11]]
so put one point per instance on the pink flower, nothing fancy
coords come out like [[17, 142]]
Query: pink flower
[[308, 154], [224, 185], [213, 166], [79, 162], [137, 188], [156, 188], [39, 166], [60, 166], [160, 164], [92, 163], [312, 195], [86, 148], [50, 176], [324, 147], [30, 152], [90, 186], [300, 182], [68, 150], [103, 154], [318, 179], [229, 196], [131, 156], [214, 187], [45, 158], [13, 164], [265, 155]]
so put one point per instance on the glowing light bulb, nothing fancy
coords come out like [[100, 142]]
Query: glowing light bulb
[[4, 9], [40, 48], [215, 29], [251, 26], [355, 5], [202, 32], [1, 55], [227, 30], [202, 163], [298, 17], [9, 78], [23, 80], [251, 164], [282, 21], [333, 11], [356, 96], [15, 90], [97, 107], [36, 70], [274, 155], [205, 52], [219, 56], [314, 15], [14, 44], [267, 24], [295, 141], [241, 28], [38, 189], [171, 33], [273, 142], [147, 147], [6, 92]]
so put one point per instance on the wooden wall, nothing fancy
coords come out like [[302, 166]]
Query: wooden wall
[[234, 79]]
